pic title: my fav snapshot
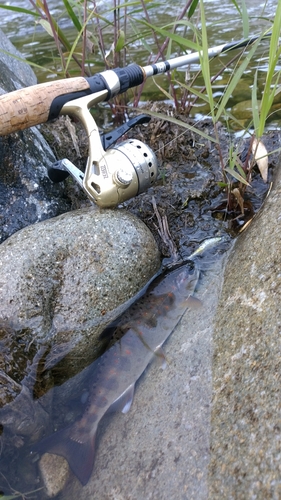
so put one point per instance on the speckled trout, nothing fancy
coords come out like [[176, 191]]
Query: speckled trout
[[142, 329]]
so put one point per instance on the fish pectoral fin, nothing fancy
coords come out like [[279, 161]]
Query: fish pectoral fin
[[160, 354], [193, 303], [124, 402]]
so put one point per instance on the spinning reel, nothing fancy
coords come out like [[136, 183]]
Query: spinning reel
[[114, 172]]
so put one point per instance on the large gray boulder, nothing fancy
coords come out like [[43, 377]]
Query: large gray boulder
[[245, 426], [62, 281], [15, 72]]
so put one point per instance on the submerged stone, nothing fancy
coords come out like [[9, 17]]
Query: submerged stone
[[61, 281]]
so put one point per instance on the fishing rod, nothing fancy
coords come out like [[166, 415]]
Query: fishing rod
[[43, 102], [114, 173]]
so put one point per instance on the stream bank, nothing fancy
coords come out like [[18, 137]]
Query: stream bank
[[185, 196], [246, 406]]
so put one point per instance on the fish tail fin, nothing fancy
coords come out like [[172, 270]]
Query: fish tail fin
[[80, 455]]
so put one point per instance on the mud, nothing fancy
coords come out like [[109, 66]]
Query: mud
[[187, 196]]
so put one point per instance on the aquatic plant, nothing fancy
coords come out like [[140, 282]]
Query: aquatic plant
[[14, 494], [236, 168]]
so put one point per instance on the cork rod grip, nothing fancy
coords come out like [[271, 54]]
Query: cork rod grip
[[39, 103]]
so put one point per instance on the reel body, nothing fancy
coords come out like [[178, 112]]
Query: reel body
[[114, 172]]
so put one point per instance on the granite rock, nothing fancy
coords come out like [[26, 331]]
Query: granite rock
[[61, 282], [246, 425]]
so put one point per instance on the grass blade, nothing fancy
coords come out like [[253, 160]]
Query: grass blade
[[255, 106], [182, 42], [236, 176], [72, 15], [245, 20], [30, 63], [161, 116], [20, 9], [274, 54], [192, 8], [205, 62], [74, 44], [235, 78], [193, 91]]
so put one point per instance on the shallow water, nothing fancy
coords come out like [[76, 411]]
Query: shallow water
[[166, 430]]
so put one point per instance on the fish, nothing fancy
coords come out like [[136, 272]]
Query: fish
[[207, 244], [142, 329]]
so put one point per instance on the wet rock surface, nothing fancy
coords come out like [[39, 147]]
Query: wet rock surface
[[67, 272], [245, 425], [15, 74], [26, 193]]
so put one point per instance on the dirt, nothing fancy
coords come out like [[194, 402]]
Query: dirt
[[187, 198]]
